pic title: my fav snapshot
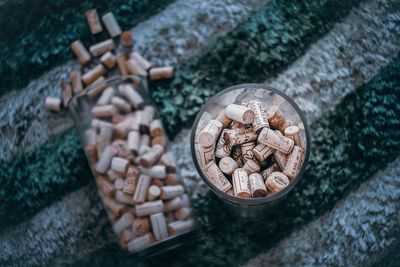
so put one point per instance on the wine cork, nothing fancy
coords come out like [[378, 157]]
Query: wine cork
[[119, 184], [237, 155], [153, 192], [240, 181], [141, 226], [90, 137], [141, 188], [245, 135], [103, 139], [247, 151], [76, 81], [262, 152], [275, 140], [122, 223], [134, 142], [294, 162], [97, 86], [159, 140], [124, 198], [106, 96], [144, 149], [230, 192], [156, 128], [127, 235], [172, 204], [183, 213], [108, 59], [276, 119], [147, 117], [157, 182], [276, 182], [257, 186], [227, 165], [119, 164], [161, 73], [280, 158], [239, 113], [180, 227], [132, 176], [121, 129], [131, 95], [105, 159], [148, 159], [222, 118], [159, 226], [102, 48], [111, 24], [167, 159], [53, 103], [80, 52], [140, 243], [121, 104], [127, 43], [171, 191], [115, 207], [145, 140], [135, 68], [251, 166], [267, 172], [106, 111], [93, 74], [121, 62], [216, 177], [172, 179], [205, 155], [149, 207], [66, 91], [141, 61], [105, 187], [123, 150], [91, 152], [260, 115], [292, 132], [93, 21], [225, 143], [210, 133], [157, 171]]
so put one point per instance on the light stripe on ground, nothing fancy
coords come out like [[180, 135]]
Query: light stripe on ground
[[357, 232], [179, 31], [180, 146], [349, 56]]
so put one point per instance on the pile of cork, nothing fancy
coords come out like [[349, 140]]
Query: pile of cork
[[101, 59], [126, 144], [257, 150]]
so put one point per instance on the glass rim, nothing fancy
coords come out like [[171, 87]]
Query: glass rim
[[250, 201]]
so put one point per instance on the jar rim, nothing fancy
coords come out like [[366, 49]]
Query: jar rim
[[250, 201]]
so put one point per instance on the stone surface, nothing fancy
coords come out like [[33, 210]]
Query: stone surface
[[357, 232]]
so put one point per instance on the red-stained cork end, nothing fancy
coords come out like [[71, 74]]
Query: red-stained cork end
[[126, 38]]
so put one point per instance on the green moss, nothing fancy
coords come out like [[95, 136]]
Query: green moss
[[349, 145], [36, 34], [258, 49], [39, 177]]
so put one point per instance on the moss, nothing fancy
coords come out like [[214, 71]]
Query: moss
[[36, 34], [39, 177], [350, 144], [258, 49]]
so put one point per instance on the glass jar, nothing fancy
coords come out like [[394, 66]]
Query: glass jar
[[136, 176], [273, 101]]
